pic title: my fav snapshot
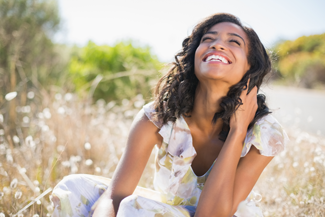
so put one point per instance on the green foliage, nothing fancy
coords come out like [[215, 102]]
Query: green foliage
[[126, 70], [26, 50], [28, 58], [303, 60]]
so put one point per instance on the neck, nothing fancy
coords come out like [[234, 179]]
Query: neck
[[206, 104]]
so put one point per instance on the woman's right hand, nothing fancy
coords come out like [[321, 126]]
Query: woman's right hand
[[104, 207]]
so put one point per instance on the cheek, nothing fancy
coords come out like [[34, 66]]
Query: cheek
[[197, 52], [197, 57], [244, 61]]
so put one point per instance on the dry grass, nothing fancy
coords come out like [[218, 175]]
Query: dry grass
[[57, 135]]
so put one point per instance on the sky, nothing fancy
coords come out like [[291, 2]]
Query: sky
[[164, 24]]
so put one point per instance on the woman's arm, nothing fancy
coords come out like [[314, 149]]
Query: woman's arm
[[231, 179], [142, 138]]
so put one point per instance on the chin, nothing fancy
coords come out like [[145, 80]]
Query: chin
[[215, 75]]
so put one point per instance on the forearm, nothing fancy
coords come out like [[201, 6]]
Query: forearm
[[217, 196]]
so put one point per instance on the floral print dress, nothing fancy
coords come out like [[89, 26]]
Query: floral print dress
[[177, 185]]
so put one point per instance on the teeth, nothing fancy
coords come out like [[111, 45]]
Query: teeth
[[216, 57]]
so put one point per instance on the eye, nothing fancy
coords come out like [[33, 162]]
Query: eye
[[206, 38], [237, 42]]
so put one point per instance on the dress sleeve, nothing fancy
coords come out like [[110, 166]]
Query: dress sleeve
[[150, 111], [267, 135]]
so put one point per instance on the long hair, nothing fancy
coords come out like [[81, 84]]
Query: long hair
[[175, 91]]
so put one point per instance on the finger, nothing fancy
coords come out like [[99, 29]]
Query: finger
[[247, 86], [253, 94], [254, 90], [248, 82]]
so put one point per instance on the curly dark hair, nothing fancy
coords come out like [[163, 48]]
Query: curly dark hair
[[175, 91]]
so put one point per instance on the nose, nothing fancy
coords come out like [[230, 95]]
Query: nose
[[217, 45]]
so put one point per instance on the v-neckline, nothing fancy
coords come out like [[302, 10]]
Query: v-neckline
[[208, 171]]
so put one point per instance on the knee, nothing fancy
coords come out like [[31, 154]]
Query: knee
[[70, 180], [130, 199], [128, 206]]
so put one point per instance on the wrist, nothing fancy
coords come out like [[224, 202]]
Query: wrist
[[238, 132]]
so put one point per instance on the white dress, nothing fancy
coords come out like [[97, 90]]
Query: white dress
[[176, 184]]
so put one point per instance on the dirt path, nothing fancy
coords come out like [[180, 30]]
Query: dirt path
[[295, 107]]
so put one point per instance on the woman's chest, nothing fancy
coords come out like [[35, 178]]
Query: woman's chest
[[207, 151]]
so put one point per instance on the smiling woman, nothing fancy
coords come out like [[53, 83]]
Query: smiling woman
[[214, 135]]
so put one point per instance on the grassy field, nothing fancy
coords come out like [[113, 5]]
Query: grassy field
[[59, 134]]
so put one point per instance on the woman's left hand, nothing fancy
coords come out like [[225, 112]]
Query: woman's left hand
[[246, 112]]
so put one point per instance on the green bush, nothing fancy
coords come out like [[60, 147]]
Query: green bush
[[29, 60], [302, 60], [126, 70]]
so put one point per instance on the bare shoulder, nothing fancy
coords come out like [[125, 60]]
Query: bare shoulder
[[145, 129]]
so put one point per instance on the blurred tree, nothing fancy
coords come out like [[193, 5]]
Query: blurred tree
[[126, 70], [27, 55], [302, 60]]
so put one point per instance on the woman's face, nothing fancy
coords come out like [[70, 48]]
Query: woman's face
[[222, 54]]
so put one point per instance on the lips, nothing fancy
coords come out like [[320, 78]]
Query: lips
[[216, 57]]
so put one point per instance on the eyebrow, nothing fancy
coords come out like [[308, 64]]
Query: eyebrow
[[233, 34]]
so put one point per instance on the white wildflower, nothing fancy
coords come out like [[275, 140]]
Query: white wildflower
[[15, 139], [18, 194], [88, 162], [26, 119], [60, 148], [50, 208], [25, 109], [74, 169], [45, 128], [61, 110], [58, 96], [98, 170], [6, 190], [36, 183], [47, 113], [30, 142], [13, 183], [87, 146], [68, 96], [125, 102], [30, 95], [65, 163], [10, 96], [110, 105]]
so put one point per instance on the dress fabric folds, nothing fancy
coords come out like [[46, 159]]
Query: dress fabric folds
[[178, 187]]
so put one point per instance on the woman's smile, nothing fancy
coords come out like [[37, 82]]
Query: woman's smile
[[216, 57]]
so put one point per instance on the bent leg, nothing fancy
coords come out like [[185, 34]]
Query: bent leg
[[75, 194], [137, 206]]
